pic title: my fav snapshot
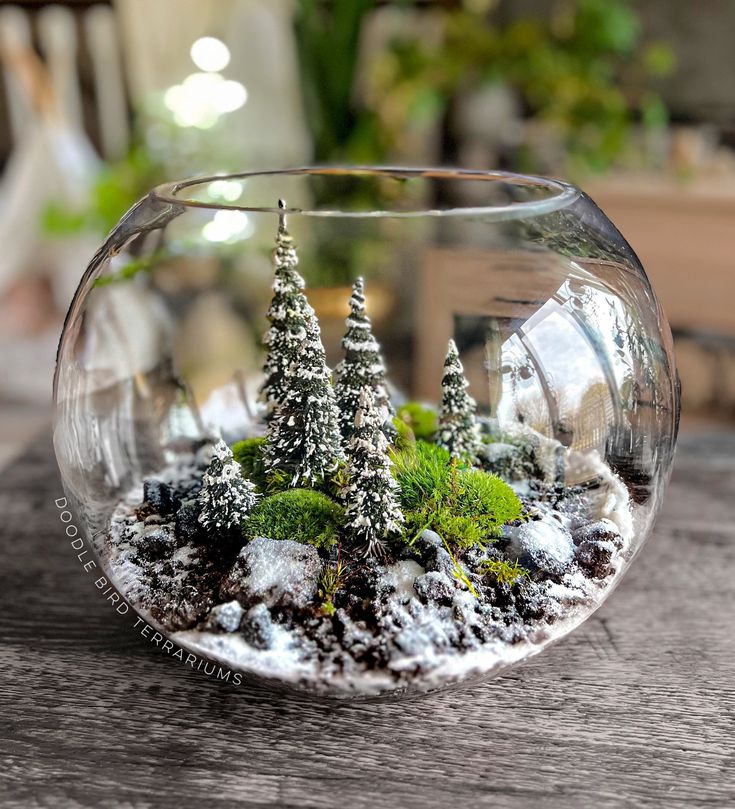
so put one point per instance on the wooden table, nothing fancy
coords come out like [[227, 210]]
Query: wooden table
[[637, 709]]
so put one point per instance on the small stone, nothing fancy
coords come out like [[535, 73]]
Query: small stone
[[355, 636], [257, 627], [156, 542], [543, 546], [502, 459], [225, 617], [159, 496], [595, 557], [277, 573], [435, 587], [530, 600], [186, 521], [600, 531], [432, 554]]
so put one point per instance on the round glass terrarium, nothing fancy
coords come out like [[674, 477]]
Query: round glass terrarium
[[365, 431]]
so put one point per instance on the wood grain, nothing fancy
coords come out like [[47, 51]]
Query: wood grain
[[637, 709]]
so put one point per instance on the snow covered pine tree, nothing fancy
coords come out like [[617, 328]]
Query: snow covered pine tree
[[226, 497], [286, 315], [457, 431], [371, 495], [303, 436], [362, 366]]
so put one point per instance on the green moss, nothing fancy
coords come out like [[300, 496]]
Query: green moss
[[419, 418], [486, 498], [458, 531], [466, 507], [423, 472], [302, 515], [248, 454], [502, 571], [405, 438]]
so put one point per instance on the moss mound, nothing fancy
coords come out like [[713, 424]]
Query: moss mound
[[467, 507], [421, 420], [249, 454], [302, 515]]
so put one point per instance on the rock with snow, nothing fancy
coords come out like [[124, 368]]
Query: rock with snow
[[435, 587], [257, 627], [225, 617], [186, 521], [277, 573], [600, 531], [543, 546], [159, 496], [155, 542], [356, 638], [397, 580], [595, 558], [502, 459], [432, 554]]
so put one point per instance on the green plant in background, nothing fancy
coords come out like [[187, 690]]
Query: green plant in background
[[328, 36], [117, 187], [580, 66], [421, 420], [302, 515]]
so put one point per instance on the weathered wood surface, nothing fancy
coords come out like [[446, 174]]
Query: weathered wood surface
[[637, 709]]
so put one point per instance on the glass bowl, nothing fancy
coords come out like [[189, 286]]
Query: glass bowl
[[364, 432]]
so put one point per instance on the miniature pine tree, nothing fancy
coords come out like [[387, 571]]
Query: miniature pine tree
[[371, 496], [361, 367], [458, 431], [303, 437], [226, 497], [286, 314]]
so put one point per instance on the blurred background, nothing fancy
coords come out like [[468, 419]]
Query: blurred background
[[99, 101]]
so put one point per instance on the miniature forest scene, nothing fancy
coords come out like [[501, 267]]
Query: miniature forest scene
[[354, 542]]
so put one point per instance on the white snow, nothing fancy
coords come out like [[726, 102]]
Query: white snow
[[401, 576], [424, 630], [541, 540], [281, 571]]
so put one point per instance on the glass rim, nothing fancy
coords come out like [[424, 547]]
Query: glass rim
[[559, 193]]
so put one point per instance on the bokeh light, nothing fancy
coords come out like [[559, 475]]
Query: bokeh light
[[210, 54]]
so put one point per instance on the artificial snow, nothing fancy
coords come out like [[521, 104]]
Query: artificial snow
[[277, 573], [423, 629], [541, 545]]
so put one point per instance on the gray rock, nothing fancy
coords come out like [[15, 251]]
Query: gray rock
[[156, 542], [435, 587], [257, 627], [187, 521], [600, 531], [277, 573], [355, 636], [542, 546], [595, 557], [432, 553], [503, 459], [225, 617], [160, 496]]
